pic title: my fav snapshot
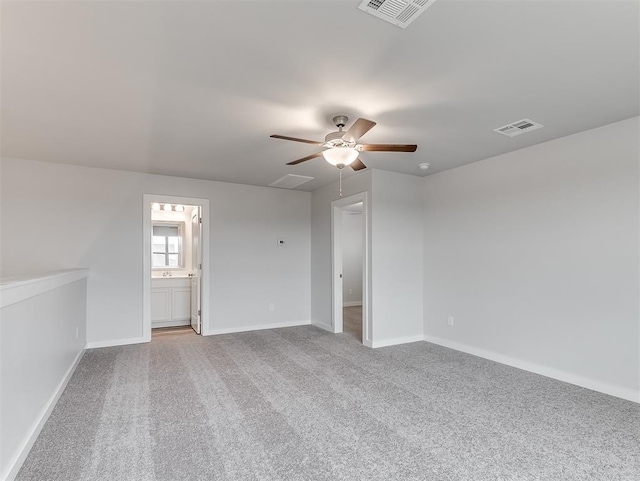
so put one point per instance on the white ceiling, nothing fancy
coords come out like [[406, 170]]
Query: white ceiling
[[195, 89]]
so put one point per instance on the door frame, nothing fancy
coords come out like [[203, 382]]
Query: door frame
[[336, 265], [195, 296], [147, 200]]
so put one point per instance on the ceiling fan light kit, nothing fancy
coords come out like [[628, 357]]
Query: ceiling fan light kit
[[340, 156]]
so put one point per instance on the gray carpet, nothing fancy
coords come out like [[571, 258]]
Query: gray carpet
[[303, 404]]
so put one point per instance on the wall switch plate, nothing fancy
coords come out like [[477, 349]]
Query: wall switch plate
[[350, 291], [77, 332], [272, 307], [450, 321]]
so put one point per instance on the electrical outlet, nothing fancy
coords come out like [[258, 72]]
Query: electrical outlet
[[272, 307], [450, 321], [350, 291]]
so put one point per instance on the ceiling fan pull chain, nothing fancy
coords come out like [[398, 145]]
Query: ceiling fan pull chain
[[340, 170]]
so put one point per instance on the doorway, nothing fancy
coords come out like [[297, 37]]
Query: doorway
[[175, 264], [351, 261], [352, 257]]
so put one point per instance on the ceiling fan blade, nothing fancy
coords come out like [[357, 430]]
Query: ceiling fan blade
[[358, 165], [304, 159], [295, 139], [358, 129], [389, 147]]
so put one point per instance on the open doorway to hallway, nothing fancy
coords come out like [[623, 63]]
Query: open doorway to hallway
[[351, 261]]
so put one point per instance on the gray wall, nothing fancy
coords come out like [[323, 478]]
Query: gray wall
[[88, 217], [395, 235], [321, 242], [535, 254], [397, 265]]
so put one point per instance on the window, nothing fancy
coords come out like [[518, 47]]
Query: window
[[167, 245]]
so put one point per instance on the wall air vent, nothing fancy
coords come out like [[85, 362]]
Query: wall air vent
[[519, 127], [398, 12], [290, 181]]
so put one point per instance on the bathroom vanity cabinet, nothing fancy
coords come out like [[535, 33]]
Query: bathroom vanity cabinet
[[170, 302]]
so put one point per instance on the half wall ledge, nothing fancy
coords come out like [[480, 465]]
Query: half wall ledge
[[19, 288]]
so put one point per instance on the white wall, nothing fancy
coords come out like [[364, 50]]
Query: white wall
[[93, 218], [38, 351], [397, 263], [535, 254], [352, 251]]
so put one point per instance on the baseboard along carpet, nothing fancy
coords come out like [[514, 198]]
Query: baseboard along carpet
[[303, 404]]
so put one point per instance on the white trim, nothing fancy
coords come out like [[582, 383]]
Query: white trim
[[588, 383], [397, 340], [323, 326], [231, 330], [352, 303], [336, 268], [18, 459], [116, 342], [147, 200], [18, 289]]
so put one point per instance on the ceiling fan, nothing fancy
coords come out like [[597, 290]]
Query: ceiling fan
[[341, 147]]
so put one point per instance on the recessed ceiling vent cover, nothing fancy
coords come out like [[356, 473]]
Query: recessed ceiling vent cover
[[518, 128], [398, 12], [290, 181]]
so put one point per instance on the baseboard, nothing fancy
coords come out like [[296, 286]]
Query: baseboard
[[116, 342], [557, 374], [396, 340], [323, 326], [231, 330], [16, 463], [352, 304]]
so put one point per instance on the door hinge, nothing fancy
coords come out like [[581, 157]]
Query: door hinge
[[199, 312], [200, 267], [200, 220]]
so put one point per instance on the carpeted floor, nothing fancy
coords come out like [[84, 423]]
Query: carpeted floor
[[303, 404]]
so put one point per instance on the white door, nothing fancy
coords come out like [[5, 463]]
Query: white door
[[196, 236]]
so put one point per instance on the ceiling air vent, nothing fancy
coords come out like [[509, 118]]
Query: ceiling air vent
[[519, 127], [290, 181], [397, 12]]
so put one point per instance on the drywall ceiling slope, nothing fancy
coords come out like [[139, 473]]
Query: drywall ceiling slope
[[194, 89]]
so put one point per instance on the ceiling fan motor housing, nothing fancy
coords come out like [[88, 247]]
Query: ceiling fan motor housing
[[340, 121]]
